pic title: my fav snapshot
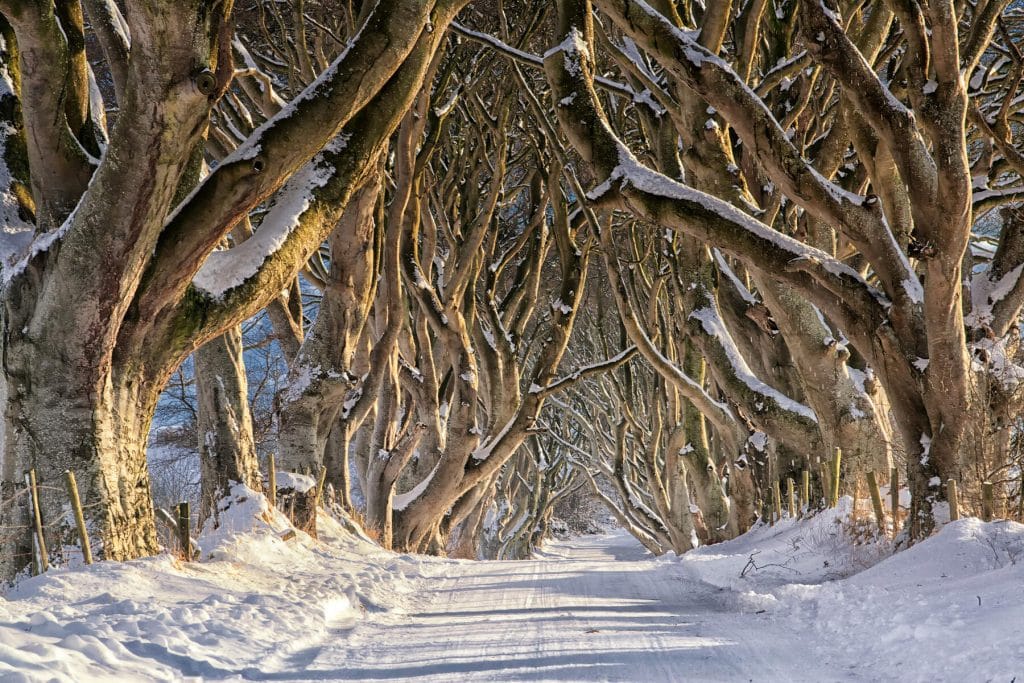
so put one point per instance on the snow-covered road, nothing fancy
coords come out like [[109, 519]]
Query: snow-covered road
[[593, 608], [796, 602]]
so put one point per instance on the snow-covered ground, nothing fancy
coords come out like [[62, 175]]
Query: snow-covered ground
[[787, 603]]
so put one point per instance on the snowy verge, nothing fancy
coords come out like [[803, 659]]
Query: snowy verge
[[254, 601], [947, 609], [812, 550]]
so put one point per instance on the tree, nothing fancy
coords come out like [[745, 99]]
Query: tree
[[841, 184], [117, 283]]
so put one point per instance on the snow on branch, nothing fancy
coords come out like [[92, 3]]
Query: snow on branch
[[896, 123], [593, 369], [739, 233], [403, 500], [681, 54], [713, 325], [988, 199], [287, 141], [533, 60], [827, 281], [230, 268]]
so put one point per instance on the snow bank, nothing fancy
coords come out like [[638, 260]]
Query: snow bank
[[244, 520], [947, 609], [809, 551], [252, 606]]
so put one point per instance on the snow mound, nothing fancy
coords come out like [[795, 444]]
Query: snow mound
[[962, 549], [256, 603], [812, 550], [947, 609], [301, 483], [244, 520], [867, 613]]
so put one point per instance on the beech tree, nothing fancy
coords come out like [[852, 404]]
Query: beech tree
[[437, 341], [527, 493], [112, 277], [845, 154]]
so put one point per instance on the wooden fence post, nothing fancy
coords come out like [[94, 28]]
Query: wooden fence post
[[806, 492], [272, 481], [987, 501], [776, 503], [836, 462], [320, 482], [954, 500], [894, 499], [825, 473], [876, 500], [1020, 501], [42, 560], [791, 493], [76, 508], [184, 537]]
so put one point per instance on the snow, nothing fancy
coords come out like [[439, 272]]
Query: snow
[[977, 79], [759, 440], [560, 306], [400, 501], [242, 515], [715, 327], [230, 268], [998, 361], [299, 380], [443, 110], [631, 172], [484, 450], [573, 44], [801, 600], [300, 483], [986, 292], [18, 243], [724, 268], [15, 233], [898, 615], [915, 292], [645, 97]]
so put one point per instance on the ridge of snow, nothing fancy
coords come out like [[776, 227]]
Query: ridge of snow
[[227, 269], [713, 325]]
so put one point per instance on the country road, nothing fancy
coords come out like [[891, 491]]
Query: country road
[[591, 608]]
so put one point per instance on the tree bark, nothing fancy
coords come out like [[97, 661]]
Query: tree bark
[[227, 450]]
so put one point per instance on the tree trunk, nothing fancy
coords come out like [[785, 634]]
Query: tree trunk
[[337, 462], [86, 424], [227, 451]]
